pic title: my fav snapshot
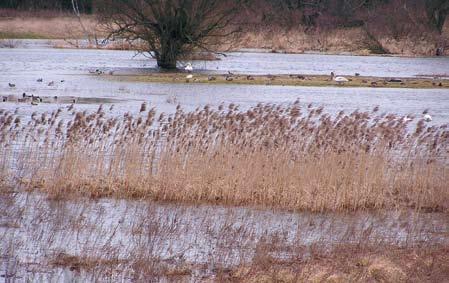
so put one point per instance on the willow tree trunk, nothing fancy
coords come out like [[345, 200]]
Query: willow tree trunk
[[165, 62], [168, 53]]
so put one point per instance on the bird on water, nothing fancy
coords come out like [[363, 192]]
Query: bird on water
[[427, 118]]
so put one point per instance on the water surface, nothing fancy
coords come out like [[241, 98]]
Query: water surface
[[68, 69]]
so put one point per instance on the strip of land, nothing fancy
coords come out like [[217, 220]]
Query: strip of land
[[285, 80]]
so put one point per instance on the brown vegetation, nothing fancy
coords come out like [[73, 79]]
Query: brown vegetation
[[77, 263], [349, 264], [146, 268], [287, 157], [45, 24], [392, 26], [380, 35], [105, 240]]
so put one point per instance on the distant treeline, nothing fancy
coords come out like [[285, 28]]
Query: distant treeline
[[85, 6], [352, 13], [310, 13]]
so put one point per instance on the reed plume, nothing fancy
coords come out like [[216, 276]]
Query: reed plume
[[290, 157]]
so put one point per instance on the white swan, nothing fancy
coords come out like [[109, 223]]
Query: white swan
[[338, 79], [189, 68], [427, 118], [341, 80]]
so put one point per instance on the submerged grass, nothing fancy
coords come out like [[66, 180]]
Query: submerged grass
[[291, 157], [347, 263]]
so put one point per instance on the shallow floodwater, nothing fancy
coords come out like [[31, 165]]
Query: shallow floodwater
[[34, 231], [239, 62], [68, 70]]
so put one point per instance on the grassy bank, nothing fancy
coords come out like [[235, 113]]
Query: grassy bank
[[284, 80], [290, 157], [21, 35]]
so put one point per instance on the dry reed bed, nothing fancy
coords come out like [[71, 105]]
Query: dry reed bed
[[291, 157]]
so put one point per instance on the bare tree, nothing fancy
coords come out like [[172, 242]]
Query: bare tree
[[76, 12], [171, 28]]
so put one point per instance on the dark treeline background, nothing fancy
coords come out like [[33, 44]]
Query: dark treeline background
[[309, 13], [353, 13], [85, 6]]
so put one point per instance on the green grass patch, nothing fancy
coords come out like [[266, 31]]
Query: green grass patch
[[21, 35]]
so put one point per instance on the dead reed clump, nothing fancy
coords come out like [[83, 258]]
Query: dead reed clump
[[77, 263], [287, 157], [138, 269], [352, 264]]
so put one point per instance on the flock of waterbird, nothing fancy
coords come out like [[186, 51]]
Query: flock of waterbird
[[35, 100], [338, 79]]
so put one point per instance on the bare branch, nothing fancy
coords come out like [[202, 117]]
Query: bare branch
[[172, 28]]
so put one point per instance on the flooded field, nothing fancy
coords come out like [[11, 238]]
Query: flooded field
[[67, 72], [46, 239], [38, 57], [36, 232]]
